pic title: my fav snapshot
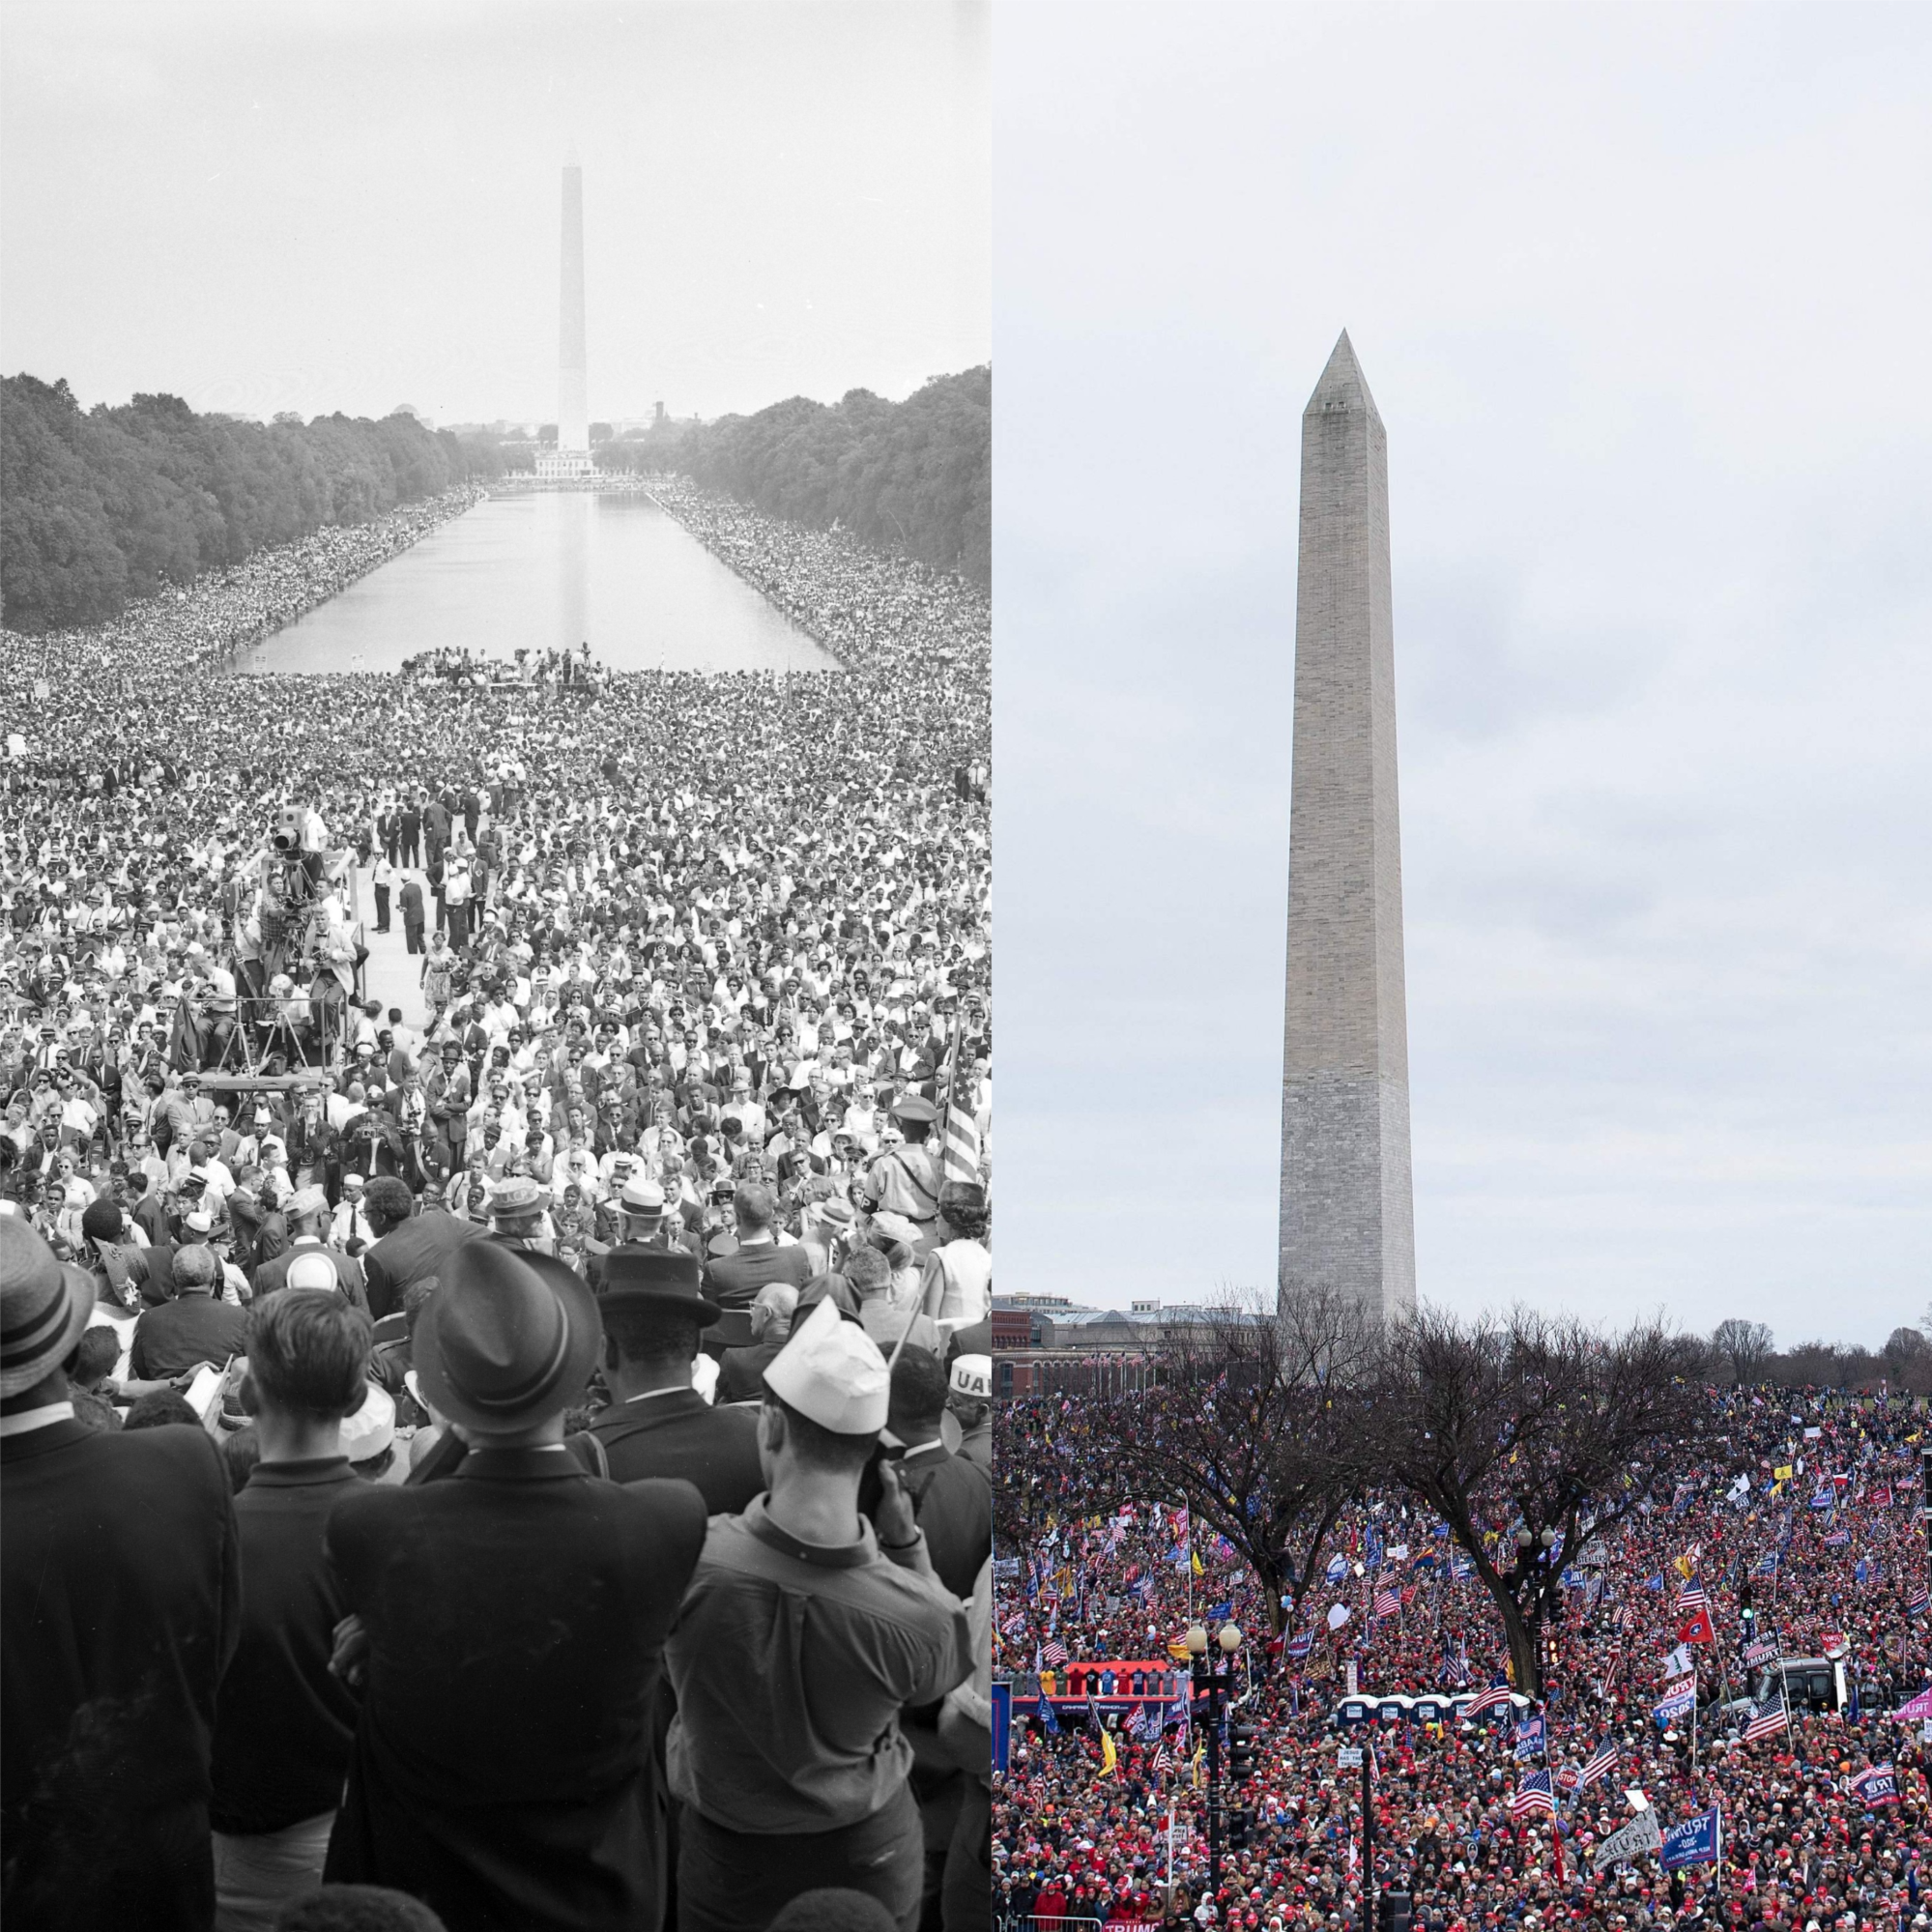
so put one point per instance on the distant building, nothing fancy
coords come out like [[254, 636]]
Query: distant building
[[1043, 1344]]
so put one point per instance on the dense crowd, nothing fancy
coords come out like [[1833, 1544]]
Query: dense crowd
[[699, 1086], [1818, 1552]]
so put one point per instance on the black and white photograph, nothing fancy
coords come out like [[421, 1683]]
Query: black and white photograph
[[495, 966]]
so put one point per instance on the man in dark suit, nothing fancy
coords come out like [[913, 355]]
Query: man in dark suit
[[512, 1621], [409, 1247], [732, 1281], [741, 1371], [283, 1722], [657, 1424], [410, 825], [193, 1327], [951, 1498], [120, 1598], [389, 832], [409, 902]]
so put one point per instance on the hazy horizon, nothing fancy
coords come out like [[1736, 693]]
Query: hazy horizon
[[354, 207]]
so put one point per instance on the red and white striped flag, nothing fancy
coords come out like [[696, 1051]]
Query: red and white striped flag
[[1533, 1794], [962, 1148], [1767, 1720]]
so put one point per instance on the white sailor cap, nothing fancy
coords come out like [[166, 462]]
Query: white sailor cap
[[831, 1371]]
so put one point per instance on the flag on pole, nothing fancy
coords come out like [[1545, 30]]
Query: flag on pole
[[1767, 1720], [1053, 1653], [1110, 1758], [1600, 1762], [1533, 1793], [1763, 1651], [1531, 1737], [1495, 1697], [1162, 1762], [1387, 1603], [1693, 1597], [1876, 1785], [961, 1159], [1677, 1702], [1698, 1629], [1915, 1603]]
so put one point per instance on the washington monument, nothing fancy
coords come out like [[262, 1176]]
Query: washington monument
[[1347, 1207], [572, 457]]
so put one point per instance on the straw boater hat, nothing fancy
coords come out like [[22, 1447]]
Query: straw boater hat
[[45, 1305]]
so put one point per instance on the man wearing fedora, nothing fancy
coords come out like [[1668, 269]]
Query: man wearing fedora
[[120, 1598], [657, 1424], [803, 1636], [509, 1627]]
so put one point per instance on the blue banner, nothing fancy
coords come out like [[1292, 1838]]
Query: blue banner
[[1003, 1725], [1697, 1841]]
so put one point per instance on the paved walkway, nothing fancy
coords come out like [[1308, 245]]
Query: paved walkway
[[391, 975]]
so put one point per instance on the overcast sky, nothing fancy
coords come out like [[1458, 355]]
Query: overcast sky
[[1642, 297], [350, 204]]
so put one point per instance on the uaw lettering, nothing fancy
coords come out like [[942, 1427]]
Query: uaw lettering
[[494, 1184]]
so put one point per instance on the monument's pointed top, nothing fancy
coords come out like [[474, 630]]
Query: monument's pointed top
[[570, 160], [1342, 385]]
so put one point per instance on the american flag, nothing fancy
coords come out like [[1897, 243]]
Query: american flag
[[961, 1161], [1693, 1597], [1533, 1794], [1053, 1653], [1599, 1763], [1763, 1651], [1498, 1694], [1387, 1603], [1768, 1565], [1915, 1604], [1161, 1761], [1767, 1720]]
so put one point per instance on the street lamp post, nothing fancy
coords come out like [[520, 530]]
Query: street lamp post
[[1212, 1680]]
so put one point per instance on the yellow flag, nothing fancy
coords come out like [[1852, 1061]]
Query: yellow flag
[[1109, 1758], [1682, 1566], [1195, 1560], [1781, 1474]]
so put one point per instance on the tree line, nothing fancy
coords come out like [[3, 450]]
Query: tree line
[[1747, 1353], [101, 507], [1529, 1436], [914, 477]]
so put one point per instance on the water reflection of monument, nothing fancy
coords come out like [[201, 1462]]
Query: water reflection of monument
[[571, 458]]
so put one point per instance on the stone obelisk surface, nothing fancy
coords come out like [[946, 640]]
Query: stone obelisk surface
[[573, 417], [1347, 1216]]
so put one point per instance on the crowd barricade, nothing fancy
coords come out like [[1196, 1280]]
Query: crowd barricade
[[1031, 1922], [1111, 1684]]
